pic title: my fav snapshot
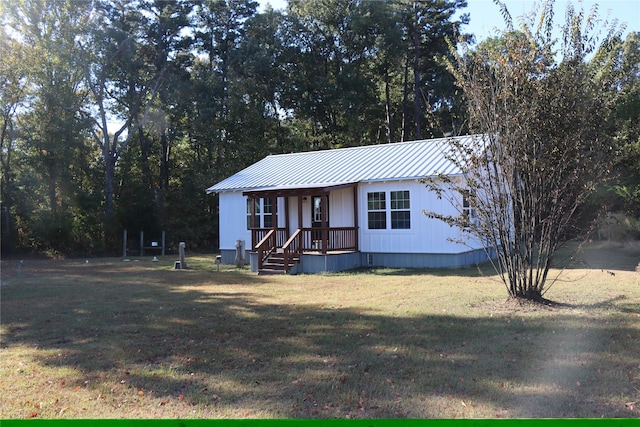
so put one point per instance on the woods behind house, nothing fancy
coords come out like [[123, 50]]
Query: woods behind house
[[118, 114]]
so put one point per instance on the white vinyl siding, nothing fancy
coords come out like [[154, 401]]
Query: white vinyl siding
[[425, 235]]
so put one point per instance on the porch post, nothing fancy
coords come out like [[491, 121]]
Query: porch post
[[274, 213], [252, 222], [299, 210], [286, 216], [355, 216], [324, 204]]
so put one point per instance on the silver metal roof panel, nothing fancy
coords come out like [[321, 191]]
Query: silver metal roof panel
[[385, 162]]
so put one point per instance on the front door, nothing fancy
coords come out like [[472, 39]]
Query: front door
[[316, 212], [316, 220]]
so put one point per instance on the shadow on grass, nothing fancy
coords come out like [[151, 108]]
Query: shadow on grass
[[606, 256], [479, 270], [616, 303], [601, 255], [227, 349]]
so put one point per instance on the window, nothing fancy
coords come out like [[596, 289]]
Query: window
[[267, 216], [400, 210], [377, 210], [256, 203], [263, 211], [317, 209], [468, 211]]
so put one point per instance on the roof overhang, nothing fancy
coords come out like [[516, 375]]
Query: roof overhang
[[310, 188], [297, 190]]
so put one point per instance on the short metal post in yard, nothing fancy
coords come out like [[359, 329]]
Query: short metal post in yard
[[218, 261], [183, 261]]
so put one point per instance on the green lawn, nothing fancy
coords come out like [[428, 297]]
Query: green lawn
[[141, 340]]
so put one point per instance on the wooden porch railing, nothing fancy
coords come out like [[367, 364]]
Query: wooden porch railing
[[266, 247], [292, 248], [257, 234], [336, 238], [322, 240]]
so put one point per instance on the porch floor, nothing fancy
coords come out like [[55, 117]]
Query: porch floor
[[318, 252], [328, 252]]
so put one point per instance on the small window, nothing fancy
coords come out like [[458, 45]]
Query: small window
[[256, 203], [263, 213], [267, 218], [317, 209], [400, 210], [376, 201], [468, 211], [376, 210]]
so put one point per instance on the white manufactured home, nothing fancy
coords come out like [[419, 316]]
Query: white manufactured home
[[341, 209]]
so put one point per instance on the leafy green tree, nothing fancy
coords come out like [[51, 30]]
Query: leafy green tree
[[222, 28], [50, 128], [547, 145], [387, 54], [365, 69], [164, 48], [427, 25], [623, 59], [13, 93], [121, 87], [129, 109], [261, 82], [331, 92]]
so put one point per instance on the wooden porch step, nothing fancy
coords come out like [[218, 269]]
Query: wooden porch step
[[279, 258], [275, 264], [270, 272]]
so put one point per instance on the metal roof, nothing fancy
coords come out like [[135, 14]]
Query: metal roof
[[385, 162]]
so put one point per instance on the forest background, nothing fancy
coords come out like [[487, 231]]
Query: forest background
[[119, 114]]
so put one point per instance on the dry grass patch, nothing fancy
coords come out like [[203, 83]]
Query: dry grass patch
[[138, 339]]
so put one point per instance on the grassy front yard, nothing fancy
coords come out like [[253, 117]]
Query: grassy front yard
[[141, 340]]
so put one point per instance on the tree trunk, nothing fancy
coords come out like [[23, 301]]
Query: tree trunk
[[405, 99], [7, 234], [52, 183], [109, 209], [164, 162], [416, 79], [391, 131]]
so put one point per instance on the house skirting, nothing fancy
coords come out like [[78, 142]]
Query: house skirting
[[229, 256], [331, 263], [410, 260]]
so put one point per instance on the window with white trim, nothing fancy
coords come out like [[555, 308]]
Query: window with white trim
[[397, 212], [267, 213], [468, 211], [256, 204], [376, 210], [400, 210], [263, 213]]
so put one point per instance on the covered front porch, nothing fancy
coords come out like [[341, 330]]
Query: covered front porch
[[313, 220]]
